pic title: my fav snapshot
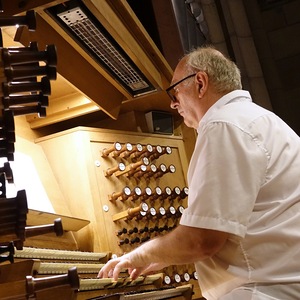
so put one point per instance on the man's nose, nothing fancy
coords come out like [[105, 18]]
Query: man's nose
[[173, 104]]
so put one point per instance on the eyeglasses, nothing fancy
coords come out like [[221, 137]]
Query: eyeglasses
[[171, 91]]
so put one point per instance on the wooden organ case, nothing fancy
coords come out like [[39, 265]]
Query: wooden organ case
[[131, 187]]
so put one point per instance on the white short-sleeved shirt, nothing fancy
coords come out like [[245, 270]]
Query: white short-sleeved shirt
[[244, 179]]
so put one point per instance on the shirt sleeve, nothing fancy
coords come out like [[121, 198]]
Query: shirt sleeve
[[226, 172]]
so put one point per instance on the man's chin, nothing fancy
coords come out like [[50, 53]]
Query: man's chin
[[189, 124]]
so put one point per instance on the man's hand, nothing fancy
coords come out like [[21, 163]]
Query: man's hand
[[113, 268], [131, 262], [183, 245]]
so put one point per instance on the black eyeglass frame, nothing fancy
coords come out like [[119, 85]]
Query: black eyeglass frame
[[171, 87]]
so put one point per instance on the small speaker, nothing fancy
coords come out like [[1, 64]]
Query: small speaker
[[159, 122]]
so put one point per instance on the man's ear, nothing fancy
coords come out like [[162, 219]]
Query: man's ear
[[202, 81]]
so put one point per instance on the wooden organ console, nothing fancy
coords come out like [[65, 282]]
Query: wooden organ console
[[131, 187]]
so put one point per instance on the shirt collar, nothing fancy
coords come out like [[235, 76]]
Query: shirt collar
[[237, 95]]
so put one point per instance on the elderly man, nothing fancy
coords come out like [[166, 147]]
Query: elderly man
[[241, 227]]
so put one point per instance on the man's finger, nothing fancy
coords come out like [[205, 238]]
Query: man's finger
[[105, 270], [125, 264]]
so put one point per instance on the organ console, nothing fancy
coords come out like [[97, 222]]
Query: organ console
[[134, 192]]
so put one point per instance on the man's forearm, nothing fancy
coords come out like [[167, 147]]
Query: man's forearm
[[183, 245]]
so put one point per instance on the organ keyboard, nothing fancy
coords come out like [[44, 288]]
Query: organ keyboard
[[179, 293], [45, 262]]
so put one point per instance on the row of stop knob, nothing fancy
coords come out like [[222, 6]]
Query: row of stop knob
[[150, 194], [146, 229], [128, 150], [143, 211], [140, 235], [146, 237], [142, 168], [142, 239], [137, 235]]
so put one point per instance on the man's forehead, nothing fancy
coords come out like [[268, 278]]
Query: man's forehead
[[179, 72]]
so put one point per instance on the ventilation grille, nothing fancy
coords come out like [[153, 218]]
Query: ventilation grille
[[92, 36]]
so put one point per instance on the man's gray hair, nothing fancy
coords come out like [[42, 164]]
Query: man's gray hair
[[222, 72]]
